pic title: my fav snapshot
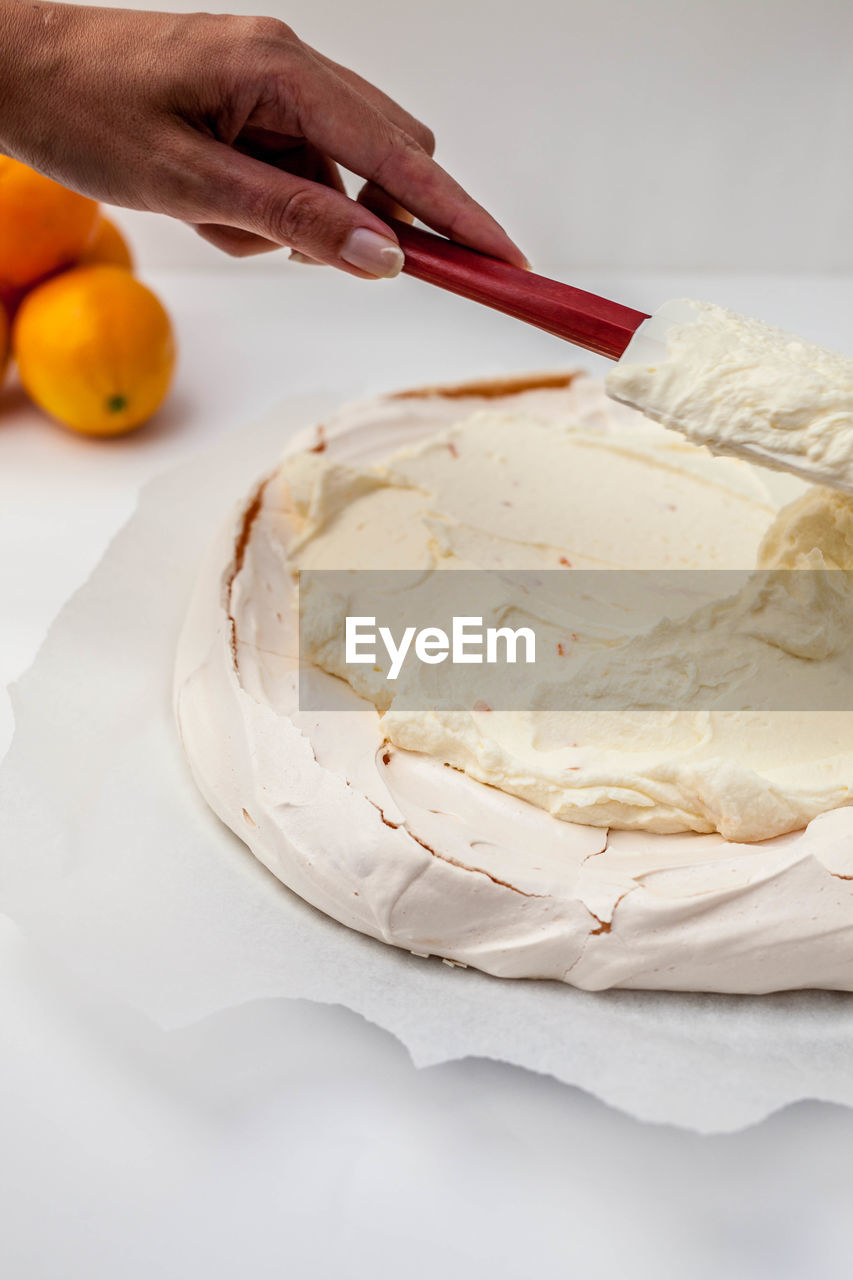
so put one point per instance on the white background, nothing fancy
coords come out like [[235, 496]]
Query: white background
[[616, 140], [646, 133]]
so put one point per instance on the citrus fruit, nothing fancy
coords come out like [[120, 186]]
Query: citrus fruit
[[94, 349], [107, 245], [43, 226], [10, 300], [4, 343]]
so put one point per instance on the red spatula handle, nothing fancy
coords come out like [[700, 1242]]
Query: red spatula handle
[[580, 317]]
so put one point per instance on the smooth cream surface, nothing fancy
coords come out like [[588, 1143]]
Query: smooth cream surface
[[513, 491]]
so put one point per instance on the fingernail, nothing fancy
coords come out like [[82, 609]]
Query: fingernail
[[375, 254]]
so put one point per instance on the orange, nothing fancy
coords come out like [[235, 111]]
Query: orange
[[43, 226], [107, 245], [95, 349], [10, 300], [4, 343]]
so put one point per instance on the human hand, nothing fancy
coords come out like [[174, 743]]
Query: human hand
[[229, 123]]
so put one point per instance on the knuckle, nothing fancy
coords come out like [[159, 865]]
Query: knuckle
[[400, 153], [425, 137], [266, 30], [178, 186], [408, 145], [298, 220]]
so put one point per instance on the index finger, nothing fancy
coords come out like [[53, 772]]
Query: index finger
[[388, 106], [370, 195], [343, 124]]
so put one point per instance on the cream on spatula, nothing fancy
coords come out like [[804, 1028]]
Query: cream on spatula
[[723, 380]]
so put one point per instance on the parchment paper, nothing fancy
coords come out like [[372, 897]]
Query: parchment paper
[[112, 863]]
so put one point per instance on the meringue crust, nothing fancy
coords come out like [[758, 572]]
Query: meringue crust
[[392, 842]]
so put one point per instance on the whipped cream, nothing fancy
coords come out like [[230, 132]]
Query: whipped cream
[[741, 387], [510, 491], [393, 844]]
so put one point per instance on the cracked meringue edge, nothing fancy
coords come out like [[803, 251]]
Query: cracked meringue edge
[[777, 916]]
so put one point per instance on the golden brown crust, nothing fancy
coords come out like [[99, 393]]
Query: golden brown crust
[[250, 515], [492, 388]]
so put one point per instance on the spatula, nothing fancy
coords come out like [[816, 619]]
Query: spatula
[[605, 327], [583, 318]]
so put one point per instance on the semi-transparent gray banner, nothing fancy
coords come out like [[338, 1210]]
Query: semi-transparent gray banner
[[579, 639]]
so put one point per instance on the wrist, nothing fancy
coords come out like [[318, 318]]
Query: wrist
[[32, 53]]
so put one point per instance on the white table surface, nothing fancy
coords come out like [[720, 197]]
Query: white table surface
[[287, 1138]]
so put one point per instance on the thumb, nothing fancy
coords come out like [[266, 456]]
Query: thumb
[[235, 190]]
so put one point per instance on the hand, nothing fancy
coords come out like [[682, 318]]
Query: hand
[[229, 123]]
